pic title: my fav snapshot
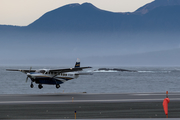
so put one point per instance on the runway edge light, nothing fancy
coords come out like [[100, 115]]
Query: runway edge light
[[165, 104], [72, 99]]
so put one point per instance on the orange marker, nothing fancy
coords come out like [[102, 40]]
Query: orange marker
[[75, 114], [165, 104]]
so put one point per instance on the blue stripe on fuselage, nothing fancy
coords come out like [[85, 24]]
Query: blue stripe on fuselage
[[34, 73], [50, 81]]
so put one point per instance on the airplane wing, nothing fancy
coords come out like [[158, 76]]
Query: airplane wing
[[68, 69], [24, 71], [52, 70]]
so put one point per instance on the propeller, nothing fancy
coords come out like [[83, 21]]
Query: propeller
[[27, 78], [28, 74]]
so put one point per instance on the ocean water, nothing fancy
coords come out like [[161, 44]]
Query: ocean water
[[145, 80]]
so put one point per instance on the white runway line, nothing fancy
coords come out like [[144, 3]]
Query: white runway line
[[84, 101]]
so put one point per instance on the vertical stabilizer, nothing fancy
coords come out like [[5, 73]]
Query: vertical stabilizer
[[77, 65]]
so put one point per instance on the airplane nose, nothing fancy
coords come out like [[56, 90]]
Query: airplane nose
[[28, 74]]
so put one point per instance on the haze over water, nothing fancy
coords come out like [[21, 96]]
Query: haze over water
[[146, 80], [101, 38]]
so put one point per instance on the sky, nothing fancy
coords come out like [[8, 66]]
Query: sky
[[24, 12]]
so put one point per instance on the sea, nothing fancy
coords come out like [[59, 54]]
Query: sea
[[144, 80]]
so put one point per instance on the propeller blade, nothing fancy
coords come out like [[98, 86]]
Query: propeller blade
[[27, 78]]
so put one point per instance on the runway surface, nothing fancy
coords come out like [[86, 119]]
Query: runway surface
[[88, 106]]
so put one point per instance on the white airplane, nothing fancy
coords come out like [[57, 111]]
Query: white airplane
[[52, 76]]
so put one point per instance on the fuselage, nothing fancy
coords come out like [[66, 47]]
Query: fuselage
[[43, 76]]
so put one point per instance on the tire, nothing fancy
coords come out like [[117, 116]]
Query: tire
[[31, 85], [40, 86], [57, 86]]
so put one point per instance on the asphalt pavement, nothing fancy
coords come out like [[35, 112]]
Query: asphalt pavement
[[88, 106]]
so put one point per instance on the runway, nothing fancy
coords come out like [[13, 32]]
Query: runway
[[87, 106]]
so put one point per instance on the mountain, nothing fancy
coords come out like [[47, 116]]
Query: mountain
[[76, 17], [155, 4], [164, 18], [162, 15], [83, 30]]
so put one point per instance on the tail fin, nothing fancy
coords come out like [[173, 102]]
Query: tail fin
[[77, 65]]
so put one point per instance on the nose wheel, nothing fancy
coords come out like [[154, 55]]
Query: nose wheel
[[57, 86]]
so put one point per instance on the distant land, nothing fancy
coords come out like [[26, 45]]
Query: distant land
[[160, 15], [85, 31], [155, 4]]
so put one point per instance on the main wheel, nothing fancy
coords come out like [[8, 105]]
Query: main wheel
[[57, 86], [31, 85], [40, 86]]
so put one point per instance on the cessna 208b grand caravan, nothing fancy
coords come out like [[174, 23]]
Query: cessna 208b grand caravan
[[52, 76]]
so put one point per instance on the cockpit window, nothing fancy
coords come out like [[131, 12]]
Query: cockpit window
[[42, 71]]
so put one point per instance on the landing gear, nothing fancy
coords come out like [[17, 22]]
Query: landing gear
[[40, 86], [31, 85], [57, 86]]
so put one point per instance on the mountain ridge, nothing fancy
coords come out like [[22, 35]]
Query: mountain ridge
[[157, 3], [84, 16], [87, 17], [84, 30], [162, 16]]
